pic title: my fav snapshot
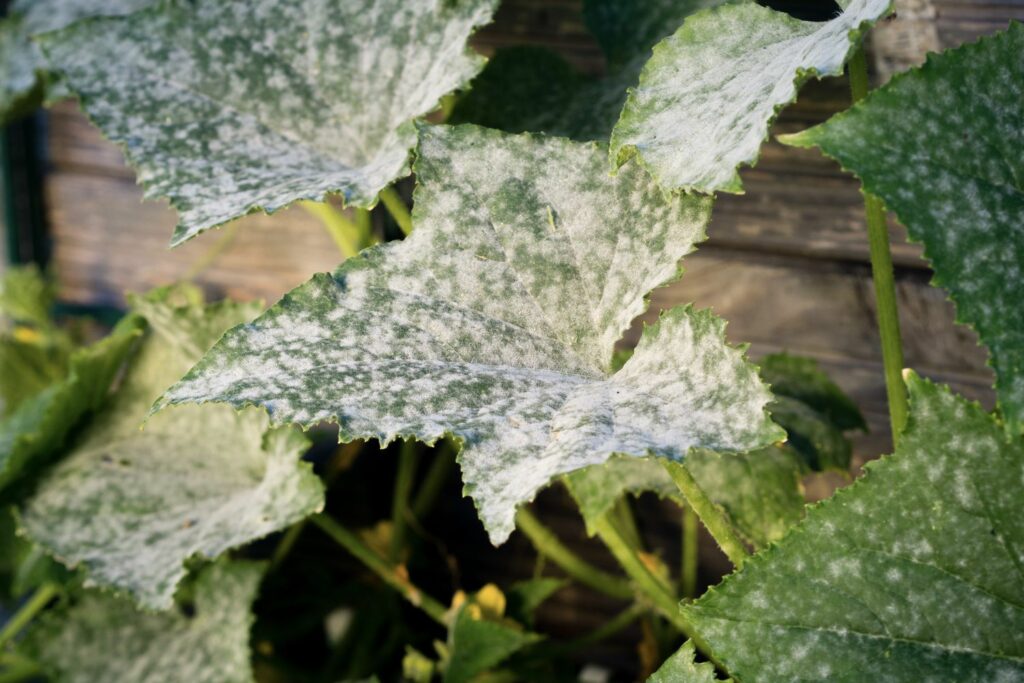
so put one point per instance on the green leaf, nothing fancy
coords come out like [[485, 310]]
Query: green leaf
[[940, 145], [195, 481], [802, 379], [105, 638], [478, 644], [26, 296], [913, 573], [597, 488], [26, 369], [33, 434], [495, 322], [525, 597], [22, 66], [682, 667], [233, 106], [527, 88], [710, 91]]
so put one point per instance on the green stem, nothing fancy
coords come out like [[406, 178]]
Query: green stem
[[603, 632], [40, 599], [397, 208], [649, 585], [623, 516], [343, 231], [213, 253], [433, 482], [381, 567], [713, 517], [285, 545], [547, 544], [20, 672], [882, 273], [400, 500], [690, 558]]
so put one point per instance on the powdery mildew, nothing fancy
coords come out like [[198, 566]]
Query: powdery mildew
[[915, 572], [232, 106], [495, 321], [709, 92], [105, 638], [682, 667], [133, 505], [942, 145]]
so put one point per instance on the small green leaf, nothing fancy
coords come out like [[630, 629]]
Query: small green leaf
[[682, 667], [26, 296], [528, 88], [105, 638], [941, 146], [32, 435], [802, 379], [233, 106], [495, 322], [708, 94], [477, 644], [525, 597], [913, 573], [195, 481]]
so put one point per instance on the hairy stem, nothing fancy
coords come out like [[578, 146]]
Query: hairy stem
[[400, 500], [623, 515], [433, 481], [882, 273], [390, 574], [343, 231], [649, 585], [690, 559], [548, 545], [713, 517], [33, 606], [397, 208]]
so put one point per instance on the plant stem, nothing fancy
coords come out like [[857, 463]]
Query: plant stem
[[28, 611], [397, 208], [713, 517], [604, 631], [400, 500], [690, 559], [213, 253], [433, 481], [23, 671], [547, 544], [623, 515], [343, 231], [649, 585], [882, 273], [285, 545], [381, 567]]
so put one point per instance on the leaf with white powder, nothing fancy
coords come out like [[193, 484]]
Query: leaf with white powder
[[495, 321], [942, 145], [708, 94], [913, 573], [233, 106], [133, 505], [106, 638]]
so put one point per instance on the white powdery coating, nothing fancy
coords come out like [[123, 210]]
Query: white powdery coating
[[942, 145], [916, 572], [495, 321], [42, 16], [133, 505], [709, 92], [105, 638], [231, 106]]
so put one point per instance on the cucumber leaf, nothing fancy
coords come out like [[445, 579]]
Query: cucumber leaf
[[134, 505], [228, 107], [912, 573], [682, 667], [941, 145], [708, 94], [495, 322], [106, 638]]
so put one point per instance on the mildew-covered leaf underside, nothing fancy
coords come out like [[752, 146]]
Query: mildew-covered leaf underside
[[495, 321], [913, 573], [232, 106], [943, 145], [708, 94], [133, 505], [106, 638]]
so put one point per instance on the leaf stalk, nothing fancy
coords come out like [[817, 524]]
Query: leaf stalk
[[711, 514]]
